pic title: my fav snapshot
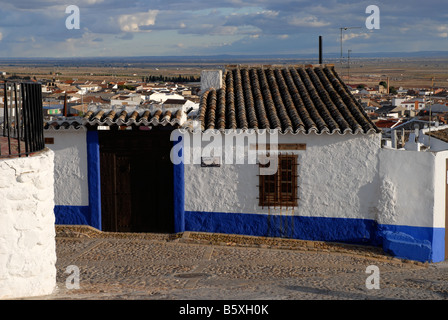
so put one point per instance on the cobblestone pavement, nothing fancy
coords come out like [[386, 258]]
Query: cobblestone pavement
[[195, 266]]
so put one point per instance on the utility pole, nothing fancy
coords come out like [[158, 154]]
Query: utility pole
[[345, 29], [348, 65], [430, 110]]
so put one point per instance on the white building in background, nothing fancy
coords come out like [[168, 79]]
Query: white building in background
[[132, 99], [163, 96], [414, 104], [398, 101], [431, 139], [86, 88]]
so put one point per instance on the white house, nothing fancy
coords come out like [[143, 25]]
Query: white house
[[414, 104], [89, 87], [132, 99], [425, 92], [273, 151], [434, 139], [334, 183], [398, 101], [163, 96]]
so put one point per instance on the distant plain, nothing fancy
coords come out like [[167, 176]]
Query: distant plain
[[408, 72]]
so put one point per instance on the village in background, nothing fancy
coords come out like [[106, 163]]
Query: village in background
[[400, 95]]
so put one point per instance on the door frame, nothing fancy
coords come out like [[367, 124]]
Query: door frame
[[142, 140], [446, 209]]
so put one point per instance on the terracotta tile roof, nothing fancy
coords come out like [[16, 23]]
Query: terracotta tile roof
[[63, 125], [108, 117], [137, 117], [291, 99], [389, 123], [439, 134]]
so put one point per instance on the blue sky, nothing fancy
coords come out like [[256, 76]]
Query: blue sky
[[181, 27]]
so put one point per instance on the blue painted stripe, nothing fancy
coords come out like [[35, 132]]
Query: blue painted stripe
[[179, 193], [438, 245], [414, 243], [305, 228], [72, 215], [94, 178]]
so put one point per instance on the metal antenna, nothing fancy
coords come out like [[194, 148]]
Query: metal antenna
[[345, 29]]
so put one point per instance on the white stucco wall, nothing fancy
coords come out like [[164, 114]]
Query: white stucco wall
[[440, 183], [337, 177], [341, 176], [27, 233], [416, 183], [71, 184], [408, 182]]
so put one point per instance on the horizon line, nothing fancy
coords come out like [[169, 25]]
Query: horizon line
[[333, 55]]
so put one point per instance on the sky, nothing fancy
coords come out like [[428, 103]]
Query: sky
[[48, 28]]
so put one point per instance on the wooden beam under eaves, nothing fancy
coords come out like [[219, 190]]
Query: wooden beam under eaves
[[280, 146]]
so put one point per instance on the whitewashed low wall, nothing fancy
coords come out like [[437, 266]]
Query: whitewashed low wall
[[70, 148], [407, 193], [71, 194], [27, 233], [411, 209]]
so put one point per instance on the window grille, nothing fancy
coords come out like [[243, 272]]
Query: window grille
[[280, 189]]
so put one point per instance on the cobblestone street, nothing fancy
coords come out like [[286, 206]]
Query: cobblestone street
[[217, 267]]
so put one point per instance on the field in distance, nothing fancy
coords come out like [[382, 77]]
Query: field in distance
[[405, 72]]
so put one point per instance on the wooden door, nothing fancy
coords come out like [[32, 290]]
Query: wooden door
[[123, 193], [108, 197], [136, 182]]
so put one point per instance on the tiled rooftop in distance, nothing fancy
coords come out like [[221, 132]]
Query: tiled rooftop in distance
[[293, 99]]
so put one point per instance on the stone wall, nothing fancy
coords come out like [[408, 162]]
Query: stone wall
[[27, 232]]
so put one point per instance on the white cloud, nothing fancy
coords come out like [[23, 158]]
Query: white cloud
[[308, 21], [224, 30], [443, 31], [249, 26], [138, 21], [351, 35]]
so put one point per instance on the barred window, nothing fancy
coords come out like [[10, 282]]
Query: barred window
[[280, 189]]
